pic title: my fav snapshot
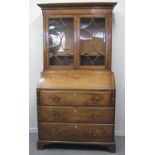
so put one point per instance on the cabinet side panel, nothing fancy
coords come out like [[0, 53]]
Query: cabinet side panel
[[45, 40], [109, 40]]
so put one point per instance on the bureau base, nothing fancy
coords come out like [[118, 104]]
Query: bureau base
[[110, 145]]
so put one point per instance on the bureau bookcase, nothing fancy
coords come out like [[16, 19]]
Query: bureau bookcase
[[76, 90]]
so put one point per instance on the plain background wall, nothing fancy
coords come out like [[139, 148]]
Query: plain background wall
[[118, 59]]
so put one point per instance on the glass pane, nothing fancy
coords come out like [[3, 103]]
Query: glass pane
[[92, 37], [61, 41]]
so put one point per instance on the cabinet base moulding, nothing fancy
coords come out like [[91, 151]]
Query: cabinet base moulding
[[111, 146]]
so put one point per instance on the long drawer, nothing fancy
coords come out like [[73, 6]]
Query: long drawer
[[76, 132], [75, 98], [77, 114]]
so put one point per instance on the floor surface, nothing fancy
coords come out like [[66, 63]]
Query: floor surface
[[75, 149]]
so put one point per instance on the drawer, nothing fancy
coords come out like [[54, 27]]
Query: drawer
[[76, 132], [76, 98], [76, 114]]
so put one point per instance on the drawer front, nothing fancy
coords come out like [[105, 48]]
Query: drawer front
[[76, 132], [76, 99], [71, 114]]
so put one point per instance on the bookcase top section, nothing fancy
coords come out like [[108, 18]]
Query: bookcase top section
[[47, 6]]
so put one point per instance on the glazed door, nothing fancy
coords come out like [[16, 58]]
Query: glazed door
[[77, 41], [92, 44], [61, 41]]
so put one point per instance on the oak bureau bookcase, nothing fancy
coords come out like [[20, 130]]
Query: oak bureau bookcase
[[76, 90]]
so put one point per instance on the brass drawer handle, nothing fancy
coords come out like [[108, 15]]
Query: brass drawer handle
[[95, 99], [94, 116], [93, 135], [56, 114], [58, 133], [56, 98]]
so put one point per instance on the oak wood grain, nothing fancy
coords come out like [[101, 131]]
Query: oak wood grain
[[76, 98], [72, 79], [76, 132], [75, 114]]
